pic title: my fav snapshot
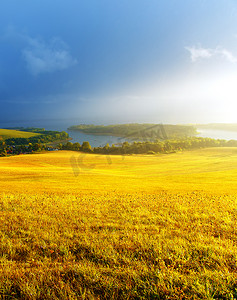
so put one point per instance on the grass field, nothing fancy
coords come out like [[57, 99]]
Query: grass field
[[9, 133], [85, 226]]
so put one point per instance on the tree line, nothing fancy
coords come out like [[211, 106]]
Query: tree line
[[44, 137], [167, 146]]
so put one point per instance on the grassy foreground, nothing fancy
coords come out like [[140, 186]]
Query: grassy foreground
[[76, 226]]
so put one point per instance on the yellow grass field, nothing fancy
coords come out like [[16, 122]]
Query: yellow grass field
[[10, 133], [86, 226]]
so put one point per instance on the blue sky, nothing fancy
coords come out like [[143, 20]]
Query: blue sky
[[103, 61]]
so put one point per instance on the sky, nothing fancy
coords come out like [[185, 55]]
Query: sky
[[107, 62]]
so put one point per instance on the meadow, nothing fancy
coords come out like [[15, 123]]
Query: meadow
[[10, 133], [87, 226]]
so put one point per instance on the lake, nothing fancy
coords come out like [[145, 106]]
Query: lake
[[96, 140], [62, 125], [217, 134]]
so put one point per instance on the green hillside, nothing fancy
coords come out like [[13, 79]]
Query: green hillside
[[9, 133]]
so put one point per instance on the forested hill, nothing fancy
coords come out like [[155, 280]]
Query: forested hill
[[140, 131]]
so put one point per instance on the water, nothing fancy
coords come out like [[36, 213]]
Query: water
[[217, 134], [62, 125], [96, 140]]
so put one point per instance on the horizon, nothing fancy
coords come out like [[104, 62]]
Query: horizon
[[69, 121]]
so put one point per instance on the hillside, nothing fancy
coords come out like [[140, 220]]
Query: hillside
[[208, 170], [24, 136], [89, 226], [9, 133]]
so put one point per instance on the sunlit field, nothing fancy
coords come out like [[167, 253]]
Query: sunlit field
[[86, 226], [9, 133]]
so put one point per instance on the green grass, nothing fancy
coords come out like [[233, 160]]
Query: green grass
[[9, 133], [93, 235]]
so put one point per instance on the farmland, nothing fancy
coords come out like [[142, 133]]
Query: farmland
[[87, 226], [9, 133]]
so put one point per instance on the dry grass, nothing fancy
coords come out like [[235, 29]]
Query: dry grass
[[141, 227], [210, 170]]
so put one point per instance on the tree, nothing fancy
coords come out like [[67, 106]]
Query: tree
[[64, 135], [106, 148], [60, 146], [36, 147], [68, 146], [86, 147], [76, 146], [3, 152]]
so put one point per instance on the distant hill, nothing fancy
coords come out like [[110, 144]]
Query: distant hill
[[139, 131], [9, 133], [24, 136]]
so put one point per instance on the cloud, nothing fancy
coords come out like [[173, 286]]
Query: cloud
[[198, 53], [227, 55], [47, 58]]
